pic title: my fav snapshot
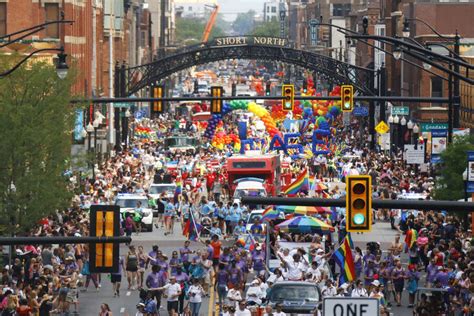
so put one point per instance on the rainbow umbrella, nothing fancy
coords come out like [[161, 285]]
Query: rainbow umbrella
[[304, 225], [303, 210]]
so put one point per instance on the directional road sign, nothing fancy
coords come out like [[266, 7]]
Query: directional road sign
[[382, 128], [400, 110], [354, 306]]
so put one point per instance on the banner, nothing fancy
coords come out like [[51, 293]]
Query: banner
[[439, 140]]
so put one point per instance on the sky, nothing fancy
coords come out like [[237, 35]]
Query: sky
[[239, 6]]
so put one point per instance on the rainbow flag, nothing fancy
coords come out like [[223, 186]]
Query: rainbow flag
[[411, 237], [312, 182], [301, 183], [343, 257]]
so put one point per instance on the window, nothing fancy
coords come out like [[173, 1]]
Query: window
[[3, 19], [249, 164], [341, 9], [268, 9], [52, 14], [190, 8], [274, 9], [436, 87]]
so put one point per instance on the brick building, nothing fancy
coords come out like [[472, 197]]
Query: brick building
[[86, 41]]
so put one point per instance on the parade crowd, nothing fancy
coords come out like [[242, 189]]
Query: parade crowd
[[48, 280]]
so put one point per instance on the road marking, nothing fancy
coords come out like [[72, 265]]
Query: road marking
[[211, 300], [122, 310], [128, 293]]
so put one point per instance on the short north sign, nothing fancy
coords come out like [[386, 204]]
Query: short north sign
[[249, 40], [350, 306]]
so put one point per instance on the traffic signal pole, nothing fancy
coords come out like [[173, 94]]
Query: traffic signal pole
[[428, 205]]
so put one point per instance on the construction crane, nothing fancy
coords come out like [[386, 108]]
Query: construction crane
[[210, 22]]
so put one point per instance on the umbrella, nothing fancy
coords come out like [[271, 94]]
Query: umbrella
[[304, 224], [303, 210]]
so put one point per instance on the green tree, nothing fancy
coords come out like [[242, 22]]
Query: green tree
[[189, 31], [36, 120], [244, 23], [270, 28], [450, 183]]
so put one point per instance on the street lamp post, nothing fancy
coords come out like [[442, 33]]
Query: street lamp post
[[392, 133], [125, 127], [12, 210], [416, 130], [403, 124], [90, 130], [95, 125], [464, 178], [410, 131]]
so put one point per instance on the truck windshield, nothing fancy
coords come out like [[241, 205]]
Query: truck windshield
[[180, 142]]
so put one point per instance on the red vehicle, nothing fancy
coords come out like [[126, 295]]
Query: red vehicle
[[265, 167]]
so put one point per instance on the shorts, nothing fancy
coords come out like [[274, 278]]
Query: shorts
[[116, 278], [135, 269], [215, 262], [173, 305]]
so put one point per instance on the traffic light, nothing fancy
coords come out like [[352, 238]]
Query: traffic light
[[234, 89], [104, 222], [288, 93], [268, 89], [157, 92], [196, 87], [305, 86], [216, 105], [358, 203], [347, 98]]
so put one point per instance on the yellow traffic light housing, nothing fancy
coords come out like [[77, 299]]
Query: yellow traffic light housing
[[157, 92], [358, 203], [347, 98], [288, 93], [104, 222], [216, 105]]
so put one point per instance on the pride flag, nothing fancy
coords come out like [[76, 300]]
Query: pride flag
[[191, 229], [301, 183], [343, 257], [411, 237]]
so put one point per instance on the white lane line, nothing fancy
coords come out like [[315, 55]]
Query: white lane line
[[129, 293], [122, 310]]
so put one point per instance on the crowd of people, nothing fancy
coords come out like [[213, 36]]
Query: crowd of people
[[48, 279]]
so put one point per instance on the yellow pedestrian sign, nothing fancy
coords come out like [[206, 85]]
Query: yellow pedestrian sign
[[382, 128]]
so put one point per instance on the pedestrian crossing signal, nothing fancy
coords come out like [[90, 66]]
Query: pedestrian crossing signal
[[157, 92], [104, 222], [288, 93], [268, 89], [216, 104], [347, 98], [358, 203], [305, 86]]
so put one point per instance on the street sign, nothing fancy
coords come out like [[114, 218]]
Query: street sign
[[414, 154], [361, 111], [382, 128], [439, 141], [354, 306], [346, 118], [400, 110], [426, 127], [384, 141], [470, 171], [123, 105]]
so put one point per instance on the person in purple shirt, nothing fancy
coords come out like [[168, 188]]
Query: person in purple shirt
[[184, 253], [160, 260], [225, 257], [236, 275], [241, 263], [182, 279], [369, 272], [431, 271], [157, 278], [258, 259], [222, 279], [442, 277], [175, 262], [210, 250], [116, 278], [152, 255]]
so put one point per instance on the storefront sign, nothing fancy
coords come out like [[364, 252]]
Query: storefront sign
[[470, 171]]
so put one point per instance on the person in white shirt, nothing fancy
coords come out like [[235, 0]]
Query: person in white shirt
[[172, 291], [242, 309], [295, 268], [234, 296], [254, 293], [195, 293], [359, 290], [313, 274], [329, 289]]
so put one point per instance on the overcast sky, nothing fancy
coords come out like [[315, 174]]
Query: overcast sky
[[230, 8]]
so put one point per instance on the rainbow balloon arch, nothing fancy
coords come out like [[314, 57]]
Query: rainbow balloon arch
[[317, 115]]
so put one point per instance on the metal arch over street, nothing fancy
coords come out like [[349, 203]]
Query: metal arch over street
[[249, 47]]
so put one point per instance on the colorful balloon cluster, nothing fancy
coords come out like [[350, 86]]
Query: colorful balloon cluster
[[253, 107], [221, 139]]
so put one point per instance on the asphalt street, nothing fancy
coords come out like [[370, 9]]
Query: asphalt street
[[125, 305]]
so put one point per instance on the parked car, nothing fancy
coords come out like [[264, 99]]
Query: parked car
[[295, 297], [128, 204]]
